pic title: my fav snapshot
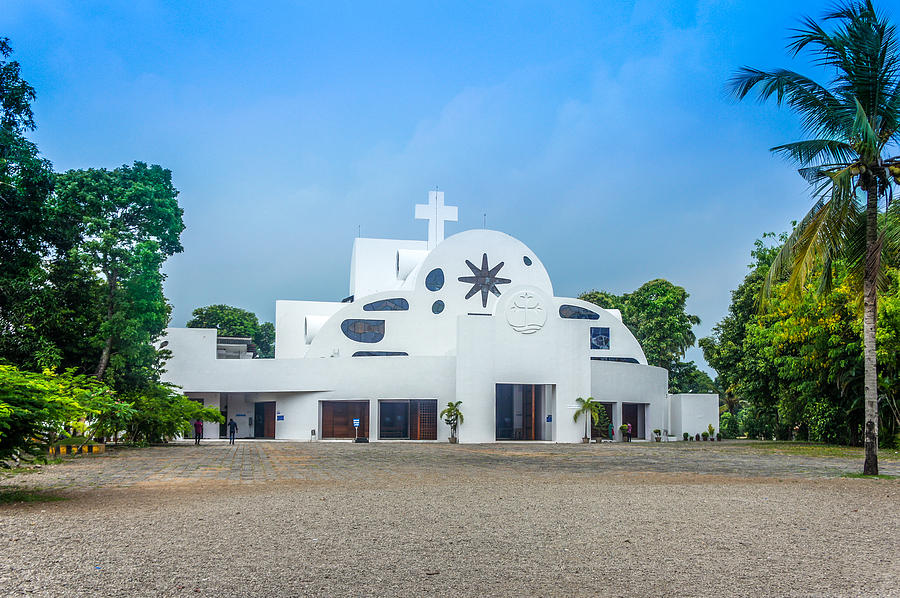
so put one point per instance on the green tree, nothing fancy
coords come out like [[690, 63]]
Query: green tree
[[26, 181], [656, 314], [852, 123], [161, 413], [588, 410], [453, 417], [686, 377], [234, 321], [128, 222], [34, 407]]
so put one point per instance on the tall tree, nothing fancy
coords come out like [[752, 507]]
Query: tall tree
[[852, 124], [26, 181], [129, 222], [656, 313]]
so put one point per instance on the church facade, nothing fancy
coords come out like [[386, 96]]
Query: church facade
[[470, 318]]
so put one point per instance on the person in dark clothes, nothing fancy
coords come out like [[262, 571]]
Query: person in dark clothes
[[198, 431], [232, 429]]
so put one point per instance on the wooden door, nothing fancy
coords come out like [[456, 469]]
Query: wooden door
[[269, 420], [338, 416]]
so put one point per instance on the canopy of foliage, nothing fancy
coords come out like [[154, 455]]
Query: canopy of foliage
[[656, 314], [796, 370]]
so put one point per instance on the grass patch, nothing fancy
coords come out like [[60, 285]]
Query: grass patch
[[814, 449], [862, 476], [17, 495]]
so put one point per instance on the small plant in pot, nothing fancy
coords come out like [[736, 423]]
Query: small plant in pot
[[657, 433], [719, 437], [697, 438], [705, 435], [712, 432], [686, 436], [453, 416], [624, 430]]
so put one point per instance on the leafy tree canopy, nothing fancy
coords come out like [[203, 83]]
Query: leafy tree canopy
[[656, 314]]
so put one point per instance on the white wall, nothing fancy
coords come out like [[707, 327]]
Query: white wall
[[693, 413], [373, 264], [290, 316]]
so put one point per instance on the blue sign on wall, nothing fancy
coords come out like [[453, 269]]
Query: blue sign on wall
[[549, 418], [279, 418]]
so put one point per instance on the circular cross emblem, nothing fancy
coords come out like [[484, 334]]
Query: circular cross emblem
[[525, 313]]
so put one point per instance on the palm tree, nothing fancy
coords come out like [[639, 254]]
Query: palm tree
[[452, 416], [591, 410], [852, 127]]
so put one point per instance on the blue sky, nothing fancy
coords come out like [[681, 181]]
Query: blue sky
[[599, 133]]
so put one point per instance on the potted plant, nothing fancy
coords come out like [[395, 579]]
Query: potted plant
[[452, 416], [705, 435], [657, 433], [686, 436], [697, 438], [590, 409], [719, 437], [712, 432], [624, 430]]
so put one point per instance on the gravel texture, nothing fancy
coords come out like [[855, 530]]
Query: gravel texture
[[292, 519]]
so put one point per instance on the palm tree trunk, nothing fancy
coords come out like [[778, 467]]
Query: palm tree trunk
[[870, 312]]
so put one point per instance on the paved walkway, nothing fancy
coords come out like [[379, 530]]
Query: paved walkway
[[256, 461]]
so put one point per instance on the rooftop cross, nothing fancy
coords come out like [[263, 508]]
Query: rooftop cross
[[436, 213]]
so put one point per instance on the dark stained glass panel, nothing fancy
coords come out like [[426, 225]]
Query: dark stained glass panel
[[363, 331], [573, 312], [599, 338], [395, 304]]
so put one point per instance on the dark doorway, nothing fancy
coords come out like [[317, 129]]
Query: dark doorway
[[338, 416], [633, 413], [520, 411], [414, 419], [264, 419]]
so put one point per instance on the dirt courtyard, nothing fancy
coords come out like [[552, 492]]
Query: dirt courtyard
[[394, 519]]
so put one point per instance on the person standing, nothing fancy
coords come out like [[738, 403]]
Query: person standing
[[612, 432], [629, 432], [198, 431], [232, 429]]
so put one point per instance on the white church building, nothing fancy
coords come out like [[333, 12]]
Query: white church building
[[469, 318]]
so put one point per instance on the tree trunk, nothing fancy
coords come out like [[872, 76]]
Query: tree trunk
[[107, 347], [870, 312]]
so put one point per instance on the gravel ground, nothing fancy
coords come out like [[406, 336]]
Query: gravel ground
[[404, 520]]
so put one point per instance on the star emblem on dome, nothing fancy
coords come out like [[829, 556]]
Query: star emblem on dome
[[485, 279]]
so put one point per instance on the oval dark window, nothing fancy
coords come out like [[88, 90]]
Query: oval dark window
[[395, 304], [527, 260], [363, 331], [435, 280], [574, 312], [437, 307]]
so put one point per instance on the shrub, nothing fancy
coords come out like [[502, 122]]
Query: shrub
[[34, 408], [686, 436], [729, 426], [163, 413]]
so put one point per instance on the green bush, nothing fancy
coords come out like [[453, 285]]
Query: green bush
[[729, 426], [162, 413], [686, 436], [35, 408]]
